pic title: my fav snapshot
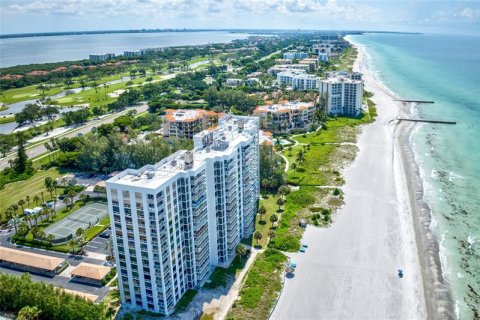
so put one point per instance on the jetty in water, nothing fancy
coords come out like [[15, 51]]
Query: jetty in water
[[427, 121], [414, 101]]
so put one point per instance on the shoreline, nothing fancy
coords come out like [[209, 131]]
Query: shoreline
[[438, 295], [349, 270]]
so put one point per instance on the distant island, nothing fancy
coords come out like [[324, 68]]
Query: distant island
[[257, 31]]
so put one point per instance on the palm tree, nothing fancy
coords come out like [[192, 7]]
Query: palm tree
[[71, 194], [265, 183], [50, 237], [72, 244], [36, 198], [43, 200], [23, 228], [14, 208], [28, 200], [271, 234], [51, 189], [273, 219], [294, 166], [262, 210], [280, 202], [67, 202], [80, 233], [48, 181], [300, 156], [240, 250], [21, 203], [257, 235]]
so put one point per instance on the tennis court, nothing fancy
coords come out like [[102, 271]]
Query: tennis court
[[84, 218]]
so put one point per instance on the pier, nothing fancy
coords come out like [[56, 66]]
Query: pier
[[427, 121], [415, 101]]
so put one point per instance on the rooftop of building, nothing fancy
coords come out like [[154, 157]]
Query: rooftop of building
[[91, 271], [283, 106], [218, 142], [29, 259], [187, 115], [340, 79]]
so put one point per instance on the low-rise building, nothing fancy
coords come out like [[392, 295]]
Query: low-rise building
[[90, 273], [184, 123], [276, 69], [252, 81], [344, 95], [285, 115], [298, 80], [102, 56], [295, 55], [311, 62], [31, 262], [322, 57], [305, 82], [132, 53], [233, 82]]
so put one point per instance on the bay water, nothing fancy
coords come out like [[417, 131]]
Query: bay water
[[445, 69], [28, 50]]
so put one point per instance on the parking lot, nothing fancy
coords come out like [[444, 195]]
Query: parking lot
[[97, 245]]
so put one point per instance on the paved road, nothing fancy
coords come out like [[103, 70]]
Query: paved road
[[39, 149], [62, 281]]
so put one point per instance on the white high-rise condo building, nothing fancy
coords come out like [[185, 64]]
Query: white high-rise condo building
[[344, 95], [174, 221]]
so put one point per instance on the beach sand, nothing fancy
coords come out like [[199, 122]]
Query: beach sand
[[349, 270]]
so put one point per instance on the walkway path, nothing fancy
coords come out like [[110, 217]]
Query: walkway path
[[220, 307]]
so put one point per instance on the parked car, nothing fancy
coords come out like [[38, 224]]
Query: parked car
[[104, 234]]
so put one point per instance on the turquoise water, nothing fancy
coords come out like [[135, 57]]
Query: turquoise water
[[446, 69]]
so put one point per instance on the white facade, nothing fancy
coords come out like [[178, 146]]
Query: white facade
[[322, 56], [132, 53], [298, 80], [344, 95], [102, 56], [174, 221], [345, 74], [295, 55], [305, 82]]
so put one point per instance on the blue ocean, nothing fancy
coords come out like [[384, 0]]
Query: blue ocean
[[445, 69]]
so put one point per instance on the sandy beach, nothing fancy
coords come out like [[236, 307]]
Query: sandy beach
[[349, 270]]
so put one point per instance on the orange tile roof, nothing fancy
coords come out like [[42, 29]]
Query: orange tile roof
[[91, 271], [30, 259]]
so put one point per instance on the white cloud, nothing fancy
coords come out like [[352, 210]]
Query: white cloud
[[102, 8]]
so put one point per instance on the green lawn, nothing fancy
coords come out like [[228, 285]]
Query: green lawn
[[261, 288], [26, 93], [6, 119], [15, 191]]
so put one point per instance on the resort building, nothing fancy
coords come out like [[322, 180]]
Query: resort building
[[273, 71], [322, 57], [132, 53], [311, 62], [344, 95], [233, 82], [90, 273], [184, 123], [345, 74], [295, 55], [305, 82], [175, 221], [298, 80], [285, 116], [32, 262], [102, 56]]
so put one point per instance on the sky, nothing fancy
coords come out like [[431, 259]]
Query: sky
[[455, 16]]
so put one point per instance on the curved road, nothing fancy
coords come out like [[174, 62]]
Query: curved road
[[38, 148]]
